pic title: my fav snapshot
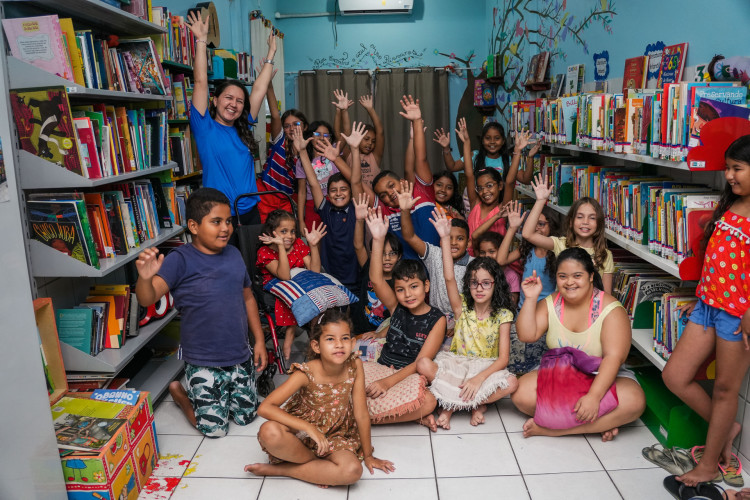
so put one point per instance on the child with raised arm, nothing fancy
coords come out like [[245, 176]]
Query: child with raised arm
[[373, 143], [211, 288], [584, 227], [396, 393], [283, 251], [474, 373], [318, 428]]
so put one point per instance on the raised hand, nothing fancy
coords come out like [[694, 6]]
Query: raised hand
[[442, 138], [355, 137], [198, 26], [376, 223], [462, 132], [325, 148], [149, 262], [298, 139], [541, 189], [514, 213], [535, 148], [366, 101], [314, 236], [441, 222], [411, 108], [272, 240], [271, 45], [532, 287], [522, 140], [405, 200], [342, 101], [361, 206], [377, 463]]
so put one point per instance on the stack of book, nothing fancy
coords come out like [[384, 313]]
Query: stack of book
[[670, 320], [182, 96], [178, 43]]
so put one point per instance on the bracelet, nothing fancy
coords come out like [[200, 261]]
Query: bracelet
[[517, 153], [447, 152], [268, 61], [201, 41]]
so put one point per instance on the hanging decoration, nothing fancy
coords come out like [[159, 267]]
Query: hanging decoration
[[601, 66], [256, 14]]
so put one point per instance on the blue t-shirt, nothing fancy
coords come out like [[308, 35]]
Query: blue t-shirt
[[534, 263], [496, 163], [227, 163], [337, 247], [208, 293]]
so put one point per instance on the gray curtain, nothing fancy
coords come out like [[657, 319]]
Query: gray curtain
[[428, 85]]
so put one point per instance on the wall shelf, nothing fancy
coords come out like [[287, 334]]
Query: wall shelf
[[38, 173], [643, 340], [111, 361], [679, 165], [49, 263], [23, 75], [188, 176], [98, 14], [156, 375], [175, 66]]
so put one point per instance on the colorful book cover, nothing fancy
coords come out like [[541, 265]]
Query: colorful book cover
[[672, 63], [57, 225], [76, 59], [142, 60], [75, 328], [634, 73], [88, 148], [708, 110], [39, 41], [78, 432], [45, 126]]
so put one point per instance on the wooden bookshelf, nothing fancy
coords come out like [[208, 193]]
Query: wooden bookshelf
[[188, 176]]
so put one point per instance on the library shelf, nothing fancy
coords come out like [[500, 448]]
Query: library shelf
[[530, 193], [38, 173], [100, 15], [643, 340], [178, 121], [111, 361], [188, 176], [156, 375], [175, 66], [50, 263], [678, 165], [23, 75]]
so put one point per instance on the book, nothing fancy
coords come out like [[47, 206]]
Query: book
[[127, 397], [76, 59], [76, 327], [87, 147], [574, 79], [45, 126], [672, 64], [542, 68], [57, 224], [78, 432], [39, 41], [142, 60], [634, 75], [709, 110]]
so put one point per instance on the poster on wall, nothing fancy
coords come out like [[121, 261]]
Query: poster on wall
[[3, 178]]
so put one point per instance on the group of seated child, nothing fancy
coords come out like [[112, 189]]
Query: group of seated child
[[450, 316]]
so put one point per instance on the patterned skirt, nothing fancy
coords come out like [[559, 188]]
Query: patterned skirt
[[454, 370]]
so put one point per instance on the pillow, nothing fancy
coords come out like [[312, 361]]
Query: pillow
[[309, 293]]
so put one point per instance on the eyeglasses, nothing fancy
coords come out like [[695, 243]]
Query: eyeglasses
[[541, 224], [318, 134], [391, 255], [293, 124], [489, 186], [484, 285]]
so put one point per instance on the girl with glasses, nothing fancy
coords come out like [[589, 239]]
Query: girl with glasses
[[321, 133], [473, 373]]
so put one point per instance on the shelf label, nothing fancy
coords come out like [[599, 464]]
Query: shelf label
[[71, 90]]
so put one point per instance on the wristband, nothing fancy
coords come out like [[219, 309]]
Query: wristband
[[201, 41], [268, 61]]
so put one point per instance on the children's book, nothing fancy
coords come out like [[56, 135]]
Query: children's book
[[634, 76], [77, 432], [45, 125], [672, 64], [127, 397], [709, 110], [39, 41], [574, 79], [75, 327], [57, 225], [141, 59]]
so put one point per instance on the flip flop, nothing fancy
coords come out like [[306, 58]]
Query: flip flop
[[702, 491], [697, 453], [710, 491], [732, 472], [664, 458], [683, 459]]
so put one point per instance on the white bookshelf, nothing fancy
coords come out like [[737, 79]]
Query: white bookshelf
[[649, 160]]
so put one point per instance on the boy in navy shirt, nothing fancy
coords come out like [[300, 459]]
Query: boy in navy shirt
[[211, 289]]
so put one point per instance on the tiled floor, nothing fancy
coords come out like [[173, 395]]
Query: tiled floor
[[491, 459]]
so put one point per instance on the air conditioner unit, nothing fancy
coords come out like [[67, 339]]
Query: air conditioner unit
[[360, 7]]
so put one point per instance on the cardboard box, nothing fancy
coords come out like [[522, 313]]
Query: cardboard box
[[121, 483], [145, 453], [45, 322]]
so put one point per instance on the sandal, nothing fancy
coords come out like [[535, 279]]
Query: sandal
[[697, 453], [681, 491], [683, 459], [664, 458], [732, 472]]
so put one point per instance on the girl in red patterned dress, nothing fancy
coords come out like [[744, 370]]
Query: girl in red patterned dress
[[282, 252], [720, 321]]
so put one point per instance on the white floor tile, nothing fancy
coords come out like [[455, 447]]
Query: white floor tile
[[400, 429], [292, 489], [548, 455], [635, 423], [483, 487], [513, 419], [226, 457], [473, 455], [175, 454], [638, 484], [623, 452], [574, 486], [461, 423], [394, 489], [171, 420], [412, 456], [200, 488], [250, 429]]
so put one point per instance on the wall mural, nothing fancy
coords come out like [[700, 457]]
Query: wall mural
[[368, 56], [521, 28]]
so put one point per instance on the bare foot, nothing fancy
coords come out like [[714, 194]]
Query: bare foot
[[444, 419], [180, 396], [429, 422], [477, 415], [260, 469], [531, 429], [701, 474], [610, 434], [726, 454]]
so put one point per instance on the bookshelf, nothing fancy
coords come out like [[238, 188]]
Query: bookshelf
[[643, 159]]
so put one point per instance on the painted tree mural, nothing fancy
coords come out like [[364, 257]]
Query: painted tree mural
[[521, 28]]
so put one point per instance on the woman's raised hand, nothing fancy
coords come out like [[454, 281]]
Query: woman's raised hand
[[197, 25]]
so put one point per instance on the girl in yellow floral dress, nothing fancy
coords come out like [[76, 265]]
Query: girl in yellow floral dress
[[323, 431], [473, 373]]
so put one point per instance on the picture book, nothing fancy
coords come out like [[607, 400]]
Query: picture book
[[573, 78], [39, 41], [708, 110], [76, 59], [672, 64], [531, 71], [45, 125], [75, 327], [88, 148], [57, 225], [78, 432], [143, 62], [634, 76], [127, 397]]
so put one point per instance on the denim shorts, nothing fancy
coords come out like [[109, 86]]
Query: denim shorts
[[712, 317]]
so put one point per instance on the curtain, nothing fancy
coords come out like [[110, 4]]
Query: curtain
[[428, 85], [259, 50]]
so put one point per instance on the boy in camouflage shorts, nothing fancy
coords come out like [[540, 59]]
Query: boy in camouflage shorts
[[211, 289]]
